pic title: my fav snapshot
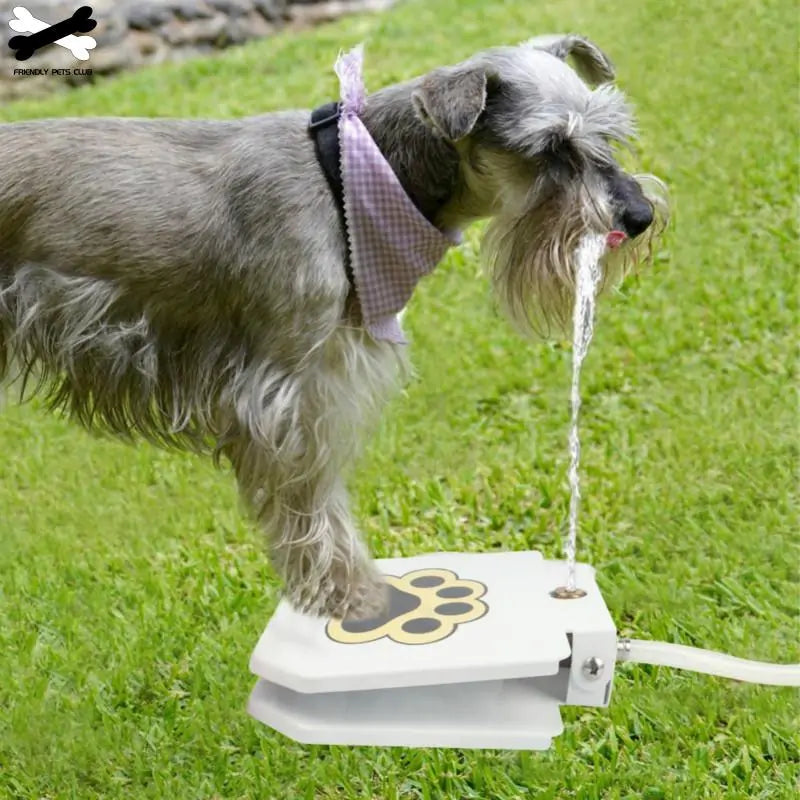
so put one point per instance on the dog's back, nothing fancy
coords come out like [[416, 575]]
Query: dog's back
[[123, 199], [131, 249]]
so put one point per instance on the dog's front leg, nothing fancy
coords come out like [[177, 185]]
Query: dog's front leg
[[311, 538], [291, 458]]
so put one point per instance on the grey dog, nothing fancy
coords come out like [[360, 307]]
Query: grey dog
[[184, 280]]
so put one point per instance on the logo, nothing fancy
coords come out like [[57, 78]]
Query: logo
[[43, 34], [425, 606]]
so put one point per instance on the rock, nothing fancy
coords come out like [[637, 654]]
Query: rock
[[252, 26], [307, 14], [100, 8], [145, 16], [39, 8], [123, 55], [53, 11], [152, 47], [273, 10], [111, 28], [178, 33], [191, 9], [233, 8]]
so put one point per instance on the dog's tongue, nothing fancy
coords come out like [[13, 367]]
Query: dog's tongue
[[615, 239]]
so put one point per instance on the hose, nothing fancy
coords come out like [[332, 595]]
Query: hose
[[678, 656]]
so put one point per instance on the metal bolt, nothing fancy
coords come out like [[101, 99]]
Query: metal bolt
[[593, 668]]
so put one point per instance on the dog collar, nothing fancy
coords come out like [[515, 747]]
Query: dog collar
[[391, 245]]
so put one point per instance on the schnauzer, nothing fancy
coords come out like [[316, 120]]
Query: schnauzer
[[232, 286]]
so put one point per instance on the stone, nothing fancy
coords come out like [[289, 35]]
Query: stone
[[191, 9], [233, 8], [152, 48], [179, 33], [39, 8], [111, 28], [308, 14], [124, 55], [252, 26], [146, 16], [273, 10]]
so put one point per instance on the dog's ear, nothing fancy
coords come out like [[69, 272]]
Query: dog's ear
[[451, 99], [591, 63]]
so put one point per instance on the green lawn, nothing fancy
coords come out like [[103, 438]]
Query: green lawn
[[132, 590]]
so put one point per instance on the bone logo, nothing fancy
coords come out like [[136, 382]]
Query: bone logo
[[44, 34]]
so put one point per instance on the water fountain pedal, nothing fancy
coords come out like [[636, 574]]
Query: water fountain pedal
[[475, 652]]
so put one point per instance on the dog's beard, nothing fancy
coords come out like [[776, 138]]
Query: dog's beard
[[531, 254]]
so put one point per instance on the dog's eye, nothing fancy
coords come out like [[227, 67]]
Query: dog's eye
[[560, 154]]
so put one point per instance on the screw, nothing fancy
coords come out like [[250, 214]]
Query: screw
[[593, 668]]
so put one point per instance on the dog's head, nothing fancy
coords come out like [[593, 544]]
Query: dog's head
[[536, 141]]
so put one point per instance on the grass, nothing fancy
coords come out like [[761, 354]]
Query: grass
[[132, 591]]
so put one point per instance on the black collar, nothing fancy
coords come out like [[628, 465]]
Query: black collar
[[324, 130]]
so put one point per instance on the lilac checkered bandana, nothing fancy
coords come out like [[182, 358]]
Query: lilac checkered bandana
[[392, 245]]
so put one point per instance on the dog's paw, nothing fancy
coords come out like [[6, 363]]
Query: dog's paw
[[342, 593], [368, 599], [425, 606]]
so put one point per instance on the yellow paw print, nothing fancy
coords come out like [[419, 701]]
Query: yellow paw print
[[425, 606]]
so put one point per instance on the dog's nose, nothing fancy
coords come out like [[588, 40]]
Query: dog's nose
[[637, 217]]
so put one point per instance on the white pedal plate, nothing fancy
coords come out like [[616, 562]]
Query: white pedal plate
[[473, 652]]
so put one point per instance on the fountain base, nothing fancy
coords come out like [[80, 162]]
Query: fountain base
[[474, 652]]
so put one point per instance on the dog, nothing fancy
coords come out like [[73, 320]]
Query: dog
[[191, 281]]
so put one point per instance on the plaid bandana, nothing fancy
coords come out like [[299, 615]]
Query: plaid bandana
[[392, 245]]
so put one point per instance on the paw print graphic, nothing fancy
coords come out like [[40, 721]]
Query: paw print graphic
[[425, 606]]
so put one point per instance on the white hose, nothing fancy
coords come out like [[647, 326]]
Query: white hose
[[665, 654]]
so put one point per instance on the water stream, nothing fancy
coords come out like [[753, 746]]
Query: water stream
[[587, 280]]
